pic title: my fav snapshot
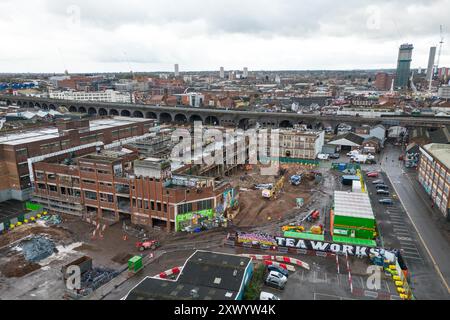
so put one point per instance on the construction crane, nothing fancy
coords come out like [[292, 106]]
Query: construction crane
[[440, 47]]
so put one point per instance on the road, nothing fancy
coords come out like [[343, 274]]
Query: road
[[418, 208]]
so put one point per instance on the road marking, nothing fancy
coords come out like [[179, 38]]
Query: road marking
[[422, 240], [409, 257], [409, 246], [402, 232], [387, 286]]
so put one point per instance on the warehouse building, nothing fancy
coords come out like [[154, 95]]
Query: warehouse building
[[205, 276], [434, 174]]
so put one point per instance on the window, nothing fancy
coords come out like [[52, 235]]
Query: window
[[152, 205], [184, 208], [146, 204], [106, 197], [158, 206], [204, 205], [52, 188], [90, 195], [41, 186], [40, 175], [22, 153]]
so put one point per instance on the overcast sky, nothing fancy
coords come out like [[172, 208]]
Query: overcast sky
[[152, 35]]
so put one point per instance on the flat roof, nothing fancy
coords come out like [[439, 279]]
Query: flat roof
[[353, 204], [440, 151], [213, 275], [40, 134]]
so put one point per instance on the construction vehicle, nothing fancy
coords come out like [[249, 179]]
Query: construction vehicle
[[296, 180], [313, 216], [317, 229], [147, 244], [272, 193], [293, 228]]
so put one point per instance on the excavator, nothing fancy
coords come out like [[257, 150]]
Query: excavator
[[272, 193]]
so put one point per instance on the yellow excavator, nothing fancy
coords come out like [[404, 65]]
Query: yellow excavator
[[272, 193]]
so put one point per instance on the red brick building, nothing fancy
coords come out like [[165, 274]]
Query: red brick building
[[17, 148]]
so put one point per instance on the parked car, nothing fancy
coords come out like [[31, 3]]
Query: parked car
[[381, 186], [373, 174], [268, 296], [322, 156], [383, 192], [334, 155], [276, 280], [353, 153], [378, 182], [386, 201], [284, 272]]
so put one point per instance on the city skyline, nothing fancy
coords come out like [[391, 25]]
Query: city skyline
[[285, 35]]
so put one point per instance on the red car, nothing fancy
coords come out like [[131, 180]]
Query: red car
[[373, 174]]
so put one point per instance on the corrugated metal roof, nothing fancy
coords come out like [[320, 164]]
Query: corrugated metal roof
[[352, 204]]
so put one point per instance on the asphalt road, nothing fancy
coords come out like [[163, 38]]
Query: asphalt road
[[418, 208]]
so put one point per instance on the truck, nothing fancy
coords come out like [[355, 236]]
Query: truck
[[296, 180], [363, 158]]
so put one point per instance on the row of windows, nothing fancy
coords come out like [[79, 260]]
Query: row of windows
[[149, 205]]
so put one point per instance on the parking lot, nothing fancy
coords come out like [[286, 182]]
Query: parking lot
[[324, 282], [397, 232], [395, 229]]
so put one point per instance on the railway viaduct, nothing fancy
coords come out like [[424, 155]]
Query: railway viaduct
[[224, 117]]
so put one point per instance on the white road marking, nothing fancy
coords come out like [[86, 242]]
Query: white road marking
[[410, 257]]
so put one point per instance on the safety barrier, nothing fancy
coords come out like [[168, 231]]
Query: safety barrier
[[279, 259], [280, 265], [168, 273]]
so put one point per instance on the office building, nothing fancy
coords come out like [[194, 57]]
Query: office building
[[431, 58], [404, 66], [96, 96], [18, 150], [434, 174], [222, 73], [383, 81], [245, 73], [177, 70], [300, 144]]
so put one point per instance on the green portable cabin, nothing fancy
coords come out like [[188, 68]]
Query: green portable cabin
[[135, 264], [353, 216]]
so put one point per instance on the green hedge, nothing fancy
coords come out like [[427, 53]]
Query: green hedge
[[253, 290]]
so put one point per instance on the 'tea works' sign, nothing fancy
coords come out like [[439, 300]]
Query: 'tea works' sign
[[351, 250]]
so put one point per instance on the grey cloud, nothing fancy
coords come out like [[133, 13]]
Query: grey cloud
[[301, 19]]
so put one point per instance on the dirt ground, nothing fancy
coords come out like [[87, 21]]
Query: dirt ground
[[257, 211]]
